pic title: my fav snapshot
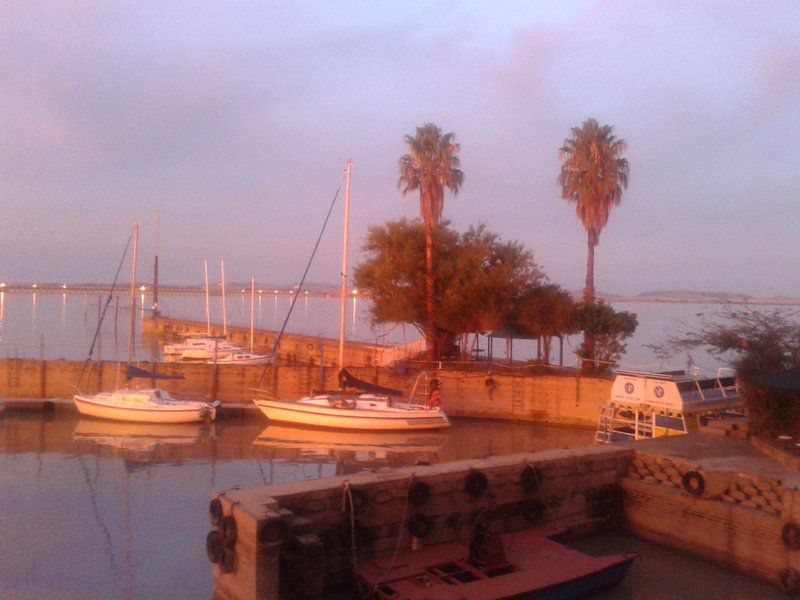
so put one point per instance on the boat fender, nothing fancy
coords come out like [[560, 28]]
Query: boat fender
[[791, 535], [490, 383], [419, 492], [693, 483], [533, 512], [229, 531], [420, 525], [476, 484], [215, 511], [530, 478], [228, 562], [271, 532], [435, 401], [214, 546], [360, 500], [789, 581]]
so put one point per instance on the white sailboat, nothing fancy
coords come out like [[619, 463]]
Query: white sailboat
[[376, 410], [145, 405]]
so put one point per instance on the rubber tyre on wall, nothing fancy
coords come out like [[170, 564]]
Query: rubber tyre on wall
[[789, 581], [790, 534], [214, 546], [229, 531], [215, 511], [476, 484], [531, 481], [419, 492], [420, 525], [693, 483], [271, 532]]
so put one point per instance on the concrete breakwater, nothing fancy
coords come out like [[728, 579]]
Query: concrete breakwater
[[560, 399], [713, 497]]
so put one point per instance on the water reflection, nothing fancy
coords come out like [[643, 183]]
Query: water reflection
[[352, 451]]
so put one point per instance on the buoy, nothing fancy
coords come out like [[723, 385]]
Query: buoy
[[271, 532], [476, 484], [420, 525], [419, 492], [693, 483], [215, 511]]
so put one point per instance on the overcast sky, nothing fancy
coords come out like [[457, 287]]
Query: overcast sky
[[235, 121]]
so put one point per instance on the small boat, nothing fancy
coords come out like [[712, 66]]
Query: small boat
[[647, 405], [243, 358], [374, 411], [144, 406], [520, 564]]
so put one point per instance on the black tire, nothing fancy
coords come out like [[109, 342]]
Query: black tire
[[228, 562], [790, 533], [789, 581], [215, 512], [476, 484], [229, 531], [214, 546], [360, 500], [533, 512], [419, 492], [420, 525], [693, 483], [271, 532], [531, 481]]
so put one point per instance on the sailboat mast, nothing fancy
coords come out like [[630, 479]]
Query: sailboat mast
[[252, 308], [132, 330], [344, 262], [208, 305], [224, 308], [155, 265]]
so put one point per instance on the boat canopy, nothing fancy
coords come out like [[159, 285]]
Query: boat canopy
[[346, 380], [136, 372], [673, 393]]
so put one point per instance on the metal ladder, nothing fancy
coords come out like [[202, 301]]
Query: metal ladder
[[604, 425]]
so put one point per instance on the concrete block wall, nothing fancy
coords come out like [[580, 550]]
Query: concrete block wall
[[577, 489], [738, 519]]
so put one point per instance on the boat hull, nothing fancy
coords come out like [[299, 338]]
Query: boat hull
[[297, 413], [106, 408]]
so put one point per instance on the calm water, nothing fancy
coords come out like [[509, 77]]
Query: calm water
[[62, 325], [92, 509]]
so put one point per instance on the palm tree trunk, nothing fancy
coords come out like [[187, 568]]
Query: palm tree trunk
[[588, 298], [430, 325]]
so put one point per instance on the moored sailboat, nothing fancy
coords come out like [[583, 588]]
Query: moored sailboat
[[145, 405], [376, 409]]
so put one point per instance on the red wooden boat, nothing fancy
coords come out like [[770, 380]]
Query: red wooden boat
[[520, 564]]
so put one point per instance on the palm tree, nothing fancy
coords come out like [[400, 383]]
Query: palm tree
[[431, 164], [593, 175]]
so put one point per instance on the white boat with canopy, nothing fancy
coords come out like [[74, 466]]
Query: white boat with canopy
[[647, 405], [139, 405]]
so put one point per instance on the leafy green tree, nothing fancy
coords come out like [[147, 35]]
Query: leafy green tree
[[593, 175], [480, 279], [547, 311], [607, 329], [757, 343], [431, 165]]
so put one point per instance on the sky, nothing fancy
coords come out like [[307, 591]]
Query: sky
[[234, 122]]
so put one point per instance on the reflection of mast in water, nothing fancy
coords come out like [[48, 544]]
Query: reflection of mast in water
[[275, 310], [99, 519], [33, 311], [355, 303], [63, 309], [260, 298], [2, 308], [128, 536]]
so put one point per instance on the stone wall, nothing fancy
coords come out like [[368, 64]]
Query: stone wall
[[294, 538], [518, 395]]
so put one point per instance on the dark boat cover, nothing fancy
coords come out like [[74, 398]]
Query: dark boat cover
[[136, 372], [347, 380]]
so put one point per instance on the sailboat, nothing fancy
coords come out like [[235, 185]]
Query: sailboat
[[141, 405], [376, 409]]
